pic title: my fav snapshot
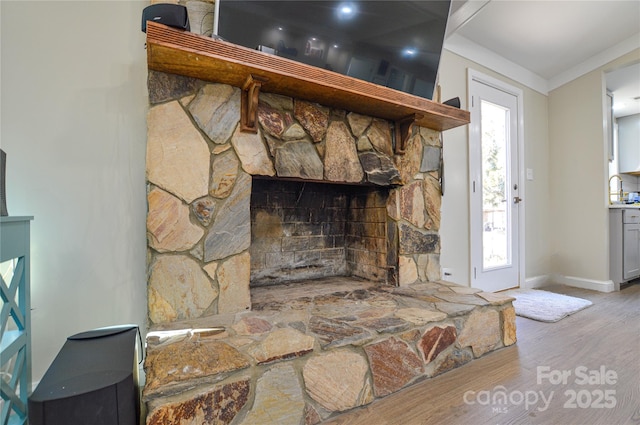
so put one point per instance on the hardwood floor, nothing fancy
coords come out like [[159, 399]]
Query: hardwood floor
[[605, 336]]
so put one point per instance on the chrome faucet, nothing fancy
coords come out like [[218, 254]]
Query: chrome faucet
[[620, 193]]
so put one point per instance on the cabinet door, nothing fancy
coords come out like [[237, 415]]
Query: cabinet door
[[615, 245], [609, 124], [629, 143], [631, 261]]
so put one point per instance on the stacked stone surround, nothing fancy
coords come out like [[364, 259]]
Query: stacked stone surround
[[199, 173], [262, 360]]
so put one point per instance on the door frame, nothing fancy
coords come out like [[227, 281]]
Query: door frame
[[474, 75]]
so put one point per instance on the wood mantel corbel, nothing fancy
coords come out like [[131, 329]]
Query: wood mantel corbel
[[402, 128], [249, 103]]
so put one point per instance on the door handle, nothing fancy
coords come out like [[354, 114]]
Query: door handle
[[517, 199]]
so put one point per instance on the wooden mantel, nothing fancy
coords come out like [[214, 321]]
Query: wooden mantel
[[184, 53]]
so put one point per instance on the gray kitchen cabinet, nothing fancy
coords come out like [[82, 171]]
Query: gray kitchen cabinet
[[629, 144], [631, 242], [624, 248]]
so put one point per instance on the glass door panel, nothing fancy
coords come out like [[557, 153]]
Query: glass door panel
[[496, 240]]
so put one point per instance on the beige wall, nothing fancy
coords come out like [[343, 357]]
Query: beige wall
[[74, 105], [579, 172], [455, 205], [565, 205]]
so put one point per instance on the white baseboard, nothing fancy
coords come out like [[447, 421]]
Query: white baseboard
[[535, 282], [578, 282]]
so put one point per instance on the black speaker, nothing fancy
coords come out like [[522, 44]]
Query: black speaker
[[92, 381], [455, 102], [173, 15]]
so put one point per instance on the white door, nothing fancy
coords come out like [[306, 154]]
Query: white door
[[495, 203]]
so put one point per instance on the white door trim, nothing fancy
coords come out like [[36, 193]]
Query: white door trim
[[474, 75]]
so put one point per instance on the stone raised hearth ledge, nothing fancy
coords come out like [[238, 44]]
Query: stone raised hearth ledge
[[321, 351]]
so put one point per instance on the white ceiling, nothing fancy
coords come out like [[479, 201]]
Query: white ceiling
[[555, 41], [624, 83]]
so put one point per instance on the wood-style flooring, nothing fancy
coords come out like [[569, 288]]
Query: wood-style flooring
[[601, 342]]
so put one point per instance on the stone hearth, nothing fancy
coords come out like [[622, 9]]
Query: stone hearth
[[359, 312], [308, 352]]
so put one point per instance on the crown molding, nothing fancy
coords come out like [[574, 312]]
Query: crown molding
[[595, 62], [468, 49]]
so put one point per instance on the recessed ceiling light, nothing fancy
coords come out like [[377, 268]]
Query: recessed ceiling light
[[409, 51], [346, 11]]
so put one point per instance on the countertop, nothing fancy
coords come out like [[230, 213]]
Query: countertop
[[625, 206]]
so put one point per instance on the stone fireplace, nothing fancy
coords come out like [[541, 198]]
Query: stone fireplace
[[293, 270], [316, 192]]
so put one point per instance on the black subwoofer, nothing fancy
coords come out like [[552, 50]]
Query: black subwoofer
[[92, 381]]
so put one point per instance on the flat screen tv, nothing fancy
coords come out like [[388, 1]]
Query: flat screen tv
[[396, 44]]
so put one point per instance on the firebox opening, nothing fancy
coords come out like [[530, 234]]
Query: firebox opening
[[303, 231]]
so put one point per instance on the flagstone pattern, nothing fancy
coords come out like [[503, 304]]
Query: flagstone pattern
[[309, 358], [232, 360], [199, 174]]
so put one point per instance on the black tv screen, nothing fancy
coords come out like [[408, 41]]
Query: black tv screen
[[391, 43]]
